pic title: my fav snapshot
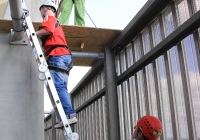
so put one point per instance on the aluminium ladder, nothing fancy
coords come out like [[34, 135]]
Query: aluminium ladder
[[46, 76]]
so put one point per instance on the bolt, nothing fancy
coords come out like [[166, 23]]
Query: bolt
[[57, 101]]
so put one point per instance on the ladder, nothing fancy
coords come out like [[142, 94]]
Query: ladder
[[45, 75]]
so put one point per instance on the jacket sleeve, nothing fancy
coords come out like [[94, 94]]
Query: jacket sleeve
[[48, 24]]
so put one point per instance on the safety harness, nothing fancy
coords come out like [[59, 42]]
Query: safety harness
[[43, 40]]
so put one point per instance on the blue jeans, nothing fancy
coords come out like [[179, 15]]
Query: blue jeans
[[61, 80]]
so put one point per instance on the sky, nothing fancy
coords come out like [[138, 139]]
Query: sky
[[111, 14]]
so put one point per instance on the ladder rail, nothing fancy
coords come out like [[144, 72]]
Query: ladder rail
[[49, 82], [52, 101]]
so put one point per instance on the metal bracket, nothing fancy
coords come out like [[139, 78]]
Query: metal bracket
[[13, 40]]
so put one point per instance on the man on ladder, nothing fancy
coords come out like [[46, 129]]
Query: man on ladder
[[58, 56]]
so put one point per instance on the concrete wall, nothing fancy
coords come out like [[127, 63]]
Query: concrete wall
[[3, 5], [21, 93], [33, 7]]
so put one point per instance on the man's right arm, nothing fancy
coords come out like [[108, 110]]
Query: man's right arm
[[42, 32]]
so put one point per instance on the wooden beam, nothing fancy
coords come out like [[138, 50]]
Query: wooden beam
[[94, 39]]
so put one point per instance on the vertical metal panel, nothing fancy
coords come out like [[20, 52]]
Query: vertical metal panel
[[193, 77], [120, 102], [150, 75], [133, 103], [162, 84], [122, 61], [99, 123], [176, 81], [98, 83], [168, 67], [191, 64], [156, 32], [182, 11], [89, 91], [97, 129], [117, 65], [126, 96], [121, 112], [92, 120], [146, 40], [103, 79], [104, 111], [129, 52], [140, 77], [82, 124], [164, 97], [87, 120], [168, 21], [196, 5], [53, 118], [125, 116]]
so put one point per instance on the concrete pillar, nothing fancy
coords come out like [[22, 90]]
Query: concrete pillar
[[21, 93]]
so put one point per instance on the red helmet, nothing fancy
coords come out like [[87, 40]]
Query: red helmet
[[150, 126]]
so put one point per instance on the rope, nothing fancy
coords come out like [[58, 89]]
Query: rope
[[18, 30], [21, 18], [16, 18], [90, 18]]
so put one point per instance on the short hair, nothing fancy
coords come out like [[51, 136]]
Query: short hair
[[143, 136], [49, 7]]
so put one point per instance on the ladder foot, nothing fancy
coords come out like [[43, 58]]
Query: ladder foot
[[71, 136]]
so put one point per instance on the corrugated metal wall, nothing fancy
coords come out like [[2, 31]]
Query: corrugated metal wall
[[92, 120], [168, 87], [169, 83]]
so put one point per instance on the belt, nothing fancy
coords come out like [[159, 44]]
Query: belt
[[58, 69], [54, 47]]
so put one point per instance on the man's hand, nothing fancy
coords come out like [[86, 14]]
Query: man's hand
[[30, 38], [43, 32]]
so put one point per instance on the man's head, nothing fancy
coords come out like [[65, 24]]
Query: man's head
[[148, 128], [48, 6]]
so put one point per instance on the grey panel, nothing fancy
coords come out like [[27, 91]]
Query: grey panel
[[21, 93]]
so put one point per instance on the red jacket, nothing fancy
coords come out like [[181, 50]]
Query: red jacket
[[57, 38]]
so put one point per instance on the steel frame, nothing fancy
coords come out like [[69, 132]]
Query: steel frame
[[175, 37]]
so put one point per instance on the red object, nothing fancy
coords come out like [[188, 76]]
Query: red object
[[57, 38], [150, 126]]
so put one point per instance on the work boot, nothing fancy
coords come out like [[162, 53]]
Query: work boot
[[71, 122]]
